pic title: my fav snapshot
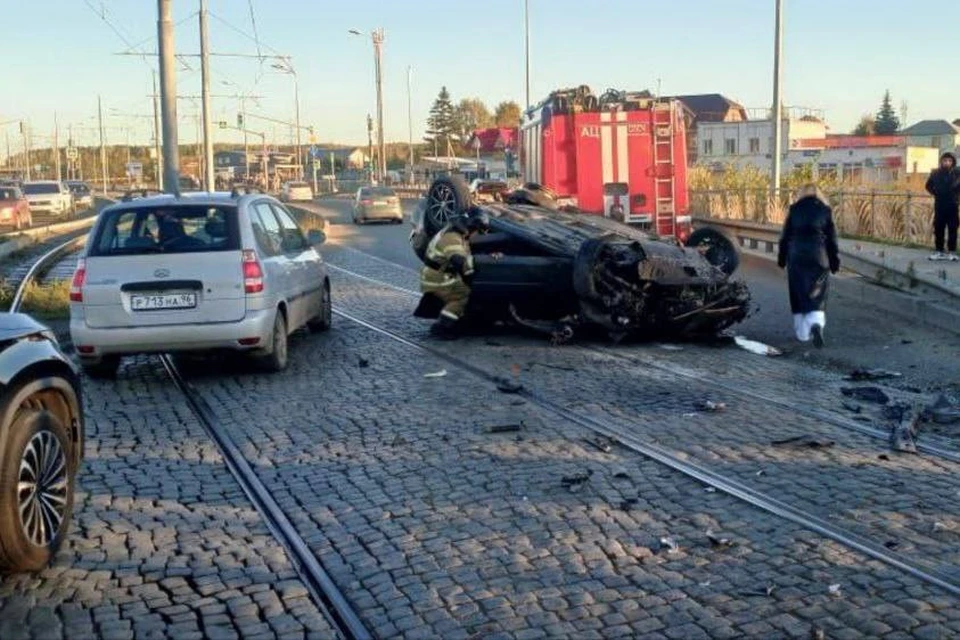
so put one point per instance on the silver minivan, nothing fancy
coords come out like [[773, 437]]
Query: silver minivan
[[198, 272]]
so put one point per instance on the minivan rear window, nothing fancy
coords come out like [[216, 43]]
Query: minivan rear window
[[167, 229]]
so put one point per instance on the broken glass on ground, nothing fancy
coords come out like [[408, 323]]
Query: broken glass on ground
[[875, 395], [865, 375]]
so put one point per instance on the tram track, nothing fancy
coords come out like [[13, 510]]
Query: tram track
[[323, 591], [644, 446]]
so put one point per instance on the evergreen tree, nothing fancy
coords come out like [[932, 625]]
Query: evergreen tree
[[442, 123], [887, 122]]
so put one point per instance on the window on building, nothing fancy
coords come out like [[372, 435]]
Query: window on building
[[935, 142], [730, 146], [708, 147], [754, 145]]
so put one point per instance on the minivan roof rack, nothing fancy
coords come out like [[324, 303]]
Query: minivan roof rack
[[133, 194], [244, 190]]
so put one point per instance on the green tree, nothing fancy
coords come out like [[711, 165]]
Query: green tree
[[887, 121], [442, 123], [866, 127], [507, 114], [472, 114]]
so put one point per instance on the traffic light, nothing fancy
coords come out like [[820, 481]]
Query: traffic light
[[240, 121]]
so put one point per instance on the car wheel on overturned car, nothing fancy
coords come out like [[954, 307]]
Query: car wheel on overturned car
[[448, 196], [717, 247], [36, 490]]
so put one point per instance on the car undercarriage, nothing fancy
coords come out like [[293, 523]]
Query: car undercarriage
[[564, 273]]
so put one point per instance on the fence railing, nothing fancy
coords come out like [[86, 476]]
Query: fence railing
[[900, 217]]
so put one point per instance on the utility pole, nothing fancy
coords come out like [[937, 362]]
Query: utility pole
[[246, 141], [56, 147], [208, 182], [410, 122], [370, 143], [777, 111], [168, 95], [378, 55], [24, 131], [526, 24], [296, 99], [103, 148], [156, 136]]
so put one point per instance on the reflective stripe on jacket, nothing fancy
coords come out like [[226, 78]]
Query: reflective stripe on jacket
[[446, 244]]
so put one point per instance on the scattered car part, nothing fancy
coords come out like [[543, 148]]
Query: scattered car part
[[866, 394], [436, 374], [756, 347], [806, 440], [867, 375]]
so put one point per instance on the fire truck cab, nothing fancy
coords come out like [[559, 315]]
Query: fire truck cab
[[620, 155]]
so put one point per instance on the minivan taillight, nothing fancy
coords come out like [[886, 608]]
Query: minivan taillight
[[252, 273], [79, 278]]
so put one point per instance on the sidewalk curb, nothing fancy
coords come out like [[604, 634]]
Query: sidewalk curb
[[905, 305]]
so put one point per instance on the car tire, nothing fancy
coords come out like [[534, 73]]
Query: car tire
[[324, 320], [448, 196], [717, 247], [105, 368], [276, 360], [38, 444]]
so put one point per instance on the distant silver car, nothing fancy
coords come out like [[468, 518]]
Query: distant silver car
[[203, 271], [82, 194], [49, 196], [377, 203], [295, 191]]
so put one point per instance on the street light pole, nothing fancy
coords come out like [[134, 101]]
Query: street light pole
[[410, 122], [156, 136], [208, 181], [56, 146], [378, 53], [526, 23], [777, 111], [24, 131], [103, 148], [168, 97]]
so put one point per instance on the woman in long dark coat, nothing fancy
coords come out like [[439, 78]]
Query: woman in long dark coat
[[809, 251]]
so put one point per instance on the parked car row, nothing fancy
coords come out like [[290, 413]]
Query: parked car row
[[19, 201]]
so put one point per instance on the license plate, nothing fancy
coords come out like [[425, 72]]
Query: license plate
[[163, 301], [380, 203]]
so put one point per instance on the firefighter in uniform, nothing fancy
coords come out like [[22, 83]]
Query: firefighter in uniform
[[448, 268]]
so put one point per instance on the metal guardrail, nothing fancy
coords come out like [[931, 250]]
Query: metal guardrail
[[890, 216]]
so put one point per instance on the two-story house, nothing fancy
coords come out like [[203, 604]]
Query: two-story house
[[939, 134]]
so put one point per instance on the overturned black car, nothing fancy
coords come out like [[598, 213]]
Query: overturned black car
[[560, 272]]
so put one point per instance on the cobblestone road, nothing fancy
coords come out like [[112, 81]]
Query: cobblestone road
[[435, 527], [164, 543]]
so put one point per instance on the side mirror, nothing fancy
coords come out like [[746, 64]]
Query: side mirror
[[316, 237]]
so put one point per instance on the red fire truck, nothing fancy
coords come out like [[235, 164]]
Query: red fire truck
[[620, 155]]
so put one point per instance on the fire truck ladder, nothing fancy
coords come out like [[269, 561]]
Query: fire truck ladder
[[664, 116]]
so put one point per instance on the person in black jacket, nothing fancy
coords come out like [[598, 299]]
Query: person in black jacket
[[809, 251], [944, 185]]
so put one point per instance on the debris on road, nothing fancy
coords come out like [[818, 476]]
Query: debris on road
[[669, 545], [509, 386], [604, 445], [576, 480], [943, 411], [710, 489], [765, 592], [757, 347], [891, 544], [939, 527], [363, 363], [628, 503], [622, 475], [718, 541], [816, 633], [670, 347], [709, 406], [865, 375], [852, 407], [834, 590], [903, 434], [436, 374], [883, 457], [506, 428], [805, 440], [761, 473], [875, 395]]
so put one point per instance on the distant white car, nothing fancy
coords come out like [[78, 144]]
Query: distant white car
[[200, 272], [296, 191], [49, 196]]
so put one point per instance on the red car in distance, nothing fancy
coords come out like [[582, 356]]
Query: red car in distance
[[14, 208]]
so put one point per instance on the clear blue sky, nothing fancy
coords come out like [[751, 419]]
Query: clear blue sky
[[840, 55]]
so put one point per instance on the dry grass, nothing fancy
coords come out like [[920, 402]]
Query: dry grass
[[46, 301]]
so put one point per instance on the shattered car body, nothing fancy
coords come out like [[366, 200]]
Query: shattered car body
[[561, 272]]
